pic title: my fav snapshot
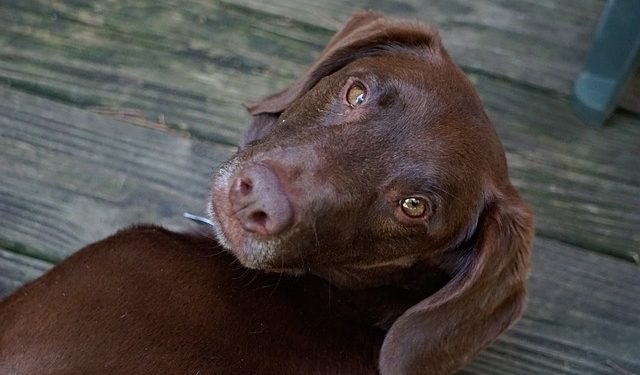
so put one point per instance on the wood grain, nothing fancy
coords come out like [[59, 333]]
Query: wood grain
[[583, 317], [70, 177], [581, 181], [173, 62], [540, 43], [16, 269], [631, 97]]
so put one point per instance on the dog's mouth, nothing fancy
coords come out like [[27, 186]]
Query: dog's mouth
[[218, 209]]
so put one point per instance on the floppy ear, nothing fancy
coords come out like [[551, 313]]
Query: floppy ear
[[484, 297], [365, 34]]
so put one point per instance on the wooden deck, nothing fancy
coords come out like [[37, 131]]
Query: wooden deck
[[118, 112]]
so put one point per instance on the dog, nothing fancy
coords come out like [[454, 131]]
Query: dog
[[366, 224]]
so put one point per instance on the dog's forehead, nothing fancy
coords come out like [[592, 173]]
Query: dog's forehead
[[408, 66], [439, 132]]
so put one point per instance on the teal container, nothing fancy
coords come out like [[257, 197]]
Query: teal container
[[612, 61]]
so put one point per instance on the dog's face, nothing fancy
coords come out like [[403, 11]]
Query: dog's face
[[378, 167], [380, 164]]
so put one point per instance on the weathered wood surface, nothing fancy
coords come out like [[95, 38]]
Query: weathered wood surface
[[583, 317], [631, 97], [189, 68], [17, 269], [70, 177], [540, 43], [113, 113], [172, 60]]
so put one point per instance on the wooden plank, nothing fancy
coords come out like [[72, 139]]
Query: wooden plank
[[583, 317], [70, 177], [542, 43], [16, 269], [167, 61], [631, 97], [582, 182], [181, 67]]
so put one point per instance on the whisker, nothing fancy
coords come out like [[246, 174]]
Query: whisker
[[279, 277], [255, 276], [315, 231], [246, 271], [330, 288], [215, 254], [441, 190], [331, 112]]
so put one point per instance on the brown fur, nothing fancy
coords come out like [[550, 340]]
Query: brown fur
[[351, 285]]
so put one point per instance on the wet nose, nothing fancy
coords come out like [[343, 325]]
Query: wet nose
[[259, 202]]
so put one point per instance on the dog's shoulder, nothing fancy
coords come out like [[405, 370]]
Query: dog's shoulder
[[139, 254], [146, 242]]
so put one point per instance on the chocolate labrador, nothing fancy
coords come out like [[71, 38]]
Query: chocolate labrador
[[366, 225]]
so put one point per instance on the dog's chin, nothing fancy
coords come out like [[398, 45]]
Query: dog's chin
[[257, 253]]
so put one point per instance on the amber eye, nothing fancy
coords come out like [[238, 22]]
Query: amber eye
[[413, 207], [356, 95]]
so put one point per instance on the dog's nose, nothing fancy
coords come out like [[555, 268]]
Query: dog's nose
[[259, 202]]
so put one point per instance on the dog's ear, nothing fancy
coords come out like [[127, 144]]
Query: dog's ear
[[484, 297], [365, 34]]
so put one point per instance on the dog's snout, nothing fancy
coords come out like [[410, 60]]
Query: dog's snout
[[259, 201]]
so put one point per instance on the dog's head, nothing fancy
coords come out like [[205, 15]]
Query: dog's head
[[379, 158]]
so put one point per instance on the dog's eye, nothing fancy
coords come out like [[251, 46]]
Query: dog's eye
[[413, 207], [356, 95]]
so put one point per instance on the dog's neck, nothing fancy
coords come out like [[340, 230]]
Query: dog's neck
[[392, 294]]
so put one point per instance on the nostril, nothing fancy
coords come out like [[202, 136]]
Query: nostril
[[256, 222], [246, 185], [259, 218], [242, 186]]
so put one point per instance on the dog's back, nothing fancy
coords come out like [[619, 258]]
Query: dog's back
[[149, 300]]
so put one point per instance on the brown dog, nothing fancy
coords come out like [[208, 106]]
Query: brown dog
[[371, 207]]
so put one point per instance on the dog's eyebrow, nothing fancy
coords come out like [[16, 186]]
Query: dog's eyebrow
[[411, 180]]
